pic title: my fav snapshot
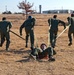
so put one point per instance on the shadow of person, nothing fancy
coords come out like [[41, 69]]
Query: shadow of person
[[14, 51], [27, 59], [24, 60]]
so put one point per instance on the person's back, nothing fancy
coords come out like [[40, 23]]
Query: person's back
[[54, 24], [5, 26], [28, 25], [72, 24]]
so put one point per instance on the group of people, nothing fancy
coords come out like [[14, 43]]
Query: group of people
[[29, 24]]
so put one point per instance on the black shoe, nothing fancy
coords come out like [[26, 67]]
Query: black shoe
[[54, 52], [51, 59], [70, 44], [53, 45], [32, 48], [7, 49], [0, 45], [26, 46]]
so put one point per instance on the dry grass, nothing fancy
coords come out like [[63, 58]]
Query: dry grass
[[15, 62]]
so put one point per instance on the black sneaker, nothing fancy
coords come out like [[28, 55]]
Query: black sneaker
[[70, 44], [0, 45], [53, 45], [32, 48], [26, 46], [51, 59]]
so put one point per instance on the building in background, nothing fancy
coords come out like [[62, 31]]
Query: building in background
[[57, 11]]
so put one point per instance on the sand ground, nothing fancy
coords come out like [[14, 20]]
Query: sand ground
[[15, 62]]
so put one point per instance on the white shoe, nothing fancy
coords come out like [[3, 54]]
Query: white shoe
[[32, 56], [7, 49]]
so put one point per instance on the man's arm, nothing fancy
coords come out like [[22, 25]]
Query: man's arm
[[63, 23], [10, 25], [49, 21], [69, 20], [21, 27], [33, 22]]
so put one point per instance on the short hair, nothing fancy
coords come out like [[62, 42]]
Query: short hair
[[55, 16], [4, 18], [29, 17], [43, 44]]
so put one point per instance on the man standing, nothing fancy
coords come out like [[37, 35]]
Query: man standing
[[4, 32], [28, 25], [71, 28], [54, 22]]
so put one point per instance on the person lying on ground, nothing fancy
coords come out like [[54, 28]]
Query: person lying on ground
[[43, 52]]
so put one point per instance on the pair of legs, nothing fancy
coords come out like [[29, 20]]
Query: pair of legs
[[70, 37], [4, 36], [47, 52], [53, 35], [31, 34]]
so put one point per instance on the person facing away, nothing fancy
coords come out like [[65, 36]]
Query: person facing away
[[5, 27], [28, 25], [71, 28], [43, 52], [53, 23]]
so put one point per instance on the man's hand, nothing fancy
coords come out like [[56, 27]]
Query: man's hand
[[20, 34], [64, 27]]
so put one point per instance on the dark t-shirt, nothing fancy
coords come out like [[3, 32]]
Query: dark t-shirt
[[54, 24], [5, 26], [71, 22]]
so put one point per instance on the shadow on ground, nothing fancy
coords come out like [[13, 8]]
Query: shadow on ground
[[20, 51]]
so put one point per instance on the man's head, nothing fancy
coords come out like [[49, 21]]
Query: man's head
[[4, 18], [43, 46], [30, 17], [55, 16]]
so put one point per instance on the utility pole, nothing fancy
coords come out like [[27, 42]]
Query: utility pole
[[40, 8], [6, 8], [62, 9]]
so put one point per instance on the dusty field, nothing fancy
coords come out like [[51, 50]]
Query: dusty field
[[15, 62]]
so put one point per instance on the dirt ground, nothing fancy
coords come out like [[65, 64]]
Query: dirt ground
[[15, 62]]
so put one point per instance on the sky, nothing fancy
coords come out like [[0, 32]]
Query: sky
[[11, 5]]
